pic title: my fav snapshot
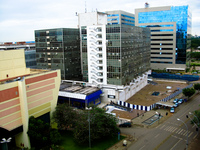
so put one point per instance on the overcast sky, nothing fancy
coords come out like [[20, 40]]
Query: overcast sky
[[19, 18]]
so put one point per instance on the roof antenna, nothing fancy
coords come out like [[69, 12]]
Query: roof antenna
[[85, 8]]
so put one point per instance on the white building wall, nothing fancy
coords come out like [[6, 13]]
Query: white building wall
[[123, 93], [92, 18], [96, 48]]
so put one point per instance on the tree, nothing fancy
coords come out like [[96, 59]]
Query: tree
[[197, 86], [38, 132], [41, 134], [188, 92], [195, 42], [197, 114], [102, 124], [65, 117]]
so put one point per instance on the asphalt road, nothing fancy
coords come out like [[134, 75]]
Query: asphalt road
[[171, 134]]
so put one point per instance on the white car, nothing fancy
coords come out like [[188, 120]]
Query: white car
[[172, 110]]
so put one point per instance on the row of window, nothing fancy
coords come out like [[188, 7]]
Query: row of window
[[161, 62], [161, 57], [161, 43], [161, 53], [161, 39]]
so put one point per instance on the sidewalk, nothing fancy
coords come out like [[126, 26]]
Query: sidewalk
[[139, 120], [119, 145]]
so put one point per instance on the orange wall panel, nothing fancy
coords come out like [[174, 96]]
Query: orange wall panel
[[40, 102], [13, 124], [10, 118], [39, 96], [9, 94], [9, 104], [9, 111], [40, 78], [40, 90], [33, 86]]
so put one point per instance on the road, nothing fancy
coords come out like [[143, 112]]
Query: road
[[171, 134]]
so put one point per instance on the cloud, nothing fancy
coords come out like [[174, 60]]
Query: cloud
[[19, 19]]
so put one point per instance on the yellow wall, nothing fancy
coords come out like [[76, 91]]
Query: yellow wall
[[41, 108], [36, 94], [12, 63]]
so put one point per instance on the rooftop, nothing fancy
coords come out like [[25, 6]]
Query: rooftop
[[77, 88], [144, 96], [32, 72]]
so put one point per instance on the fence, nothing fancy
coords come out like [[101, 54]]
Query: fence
[[175, 94]]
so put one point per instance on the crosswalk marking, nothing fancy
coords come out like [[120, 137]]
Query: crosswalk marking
[[190, 134], [172, 129], [162, 127], [180, 131], [193, 126], [185, 133], [167, 128], [176, 130]]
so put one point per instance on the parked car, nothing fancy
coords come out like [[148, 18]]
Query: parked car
[[176, 100], [172, 110], [126, 124], [175, 105], [180, 101]]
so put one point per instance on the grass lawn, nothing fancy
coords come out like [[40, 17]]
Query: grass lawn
[[69, 144]]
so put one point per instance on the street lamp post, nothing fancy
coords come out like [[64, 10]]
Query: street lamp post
[[197, 125], [196, 118], [6, 141], [89, 123], [187, 132]]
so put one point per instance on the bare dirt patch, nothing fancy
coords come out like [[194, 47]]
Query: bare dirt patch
[[144, 96]]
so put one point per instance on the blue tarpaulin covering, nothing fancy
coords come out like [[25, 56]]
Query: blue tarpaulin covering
[[175, 76]]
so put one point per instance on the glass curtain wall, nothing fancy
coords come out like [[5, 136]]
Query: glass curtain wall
[[182, 17], [59, 49], [128, 53]]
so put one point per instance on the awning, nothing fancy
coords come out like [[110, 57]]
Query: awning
[[168, 104]]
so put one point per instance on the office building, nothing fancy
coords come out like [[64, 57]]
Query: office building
[[120, 17], [30, 58], [24, 92], [170, 35], [113, 54], [59, 49]]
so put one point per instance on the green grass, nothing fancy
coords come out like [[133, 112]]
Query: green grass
[[69, 144]]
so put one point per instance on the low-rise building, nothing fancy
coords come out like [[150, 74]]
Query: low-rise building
[[24, 93]]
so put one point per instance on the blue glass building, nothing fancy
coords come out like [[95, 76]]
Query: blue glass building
[[170, 35], [120, 17]]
